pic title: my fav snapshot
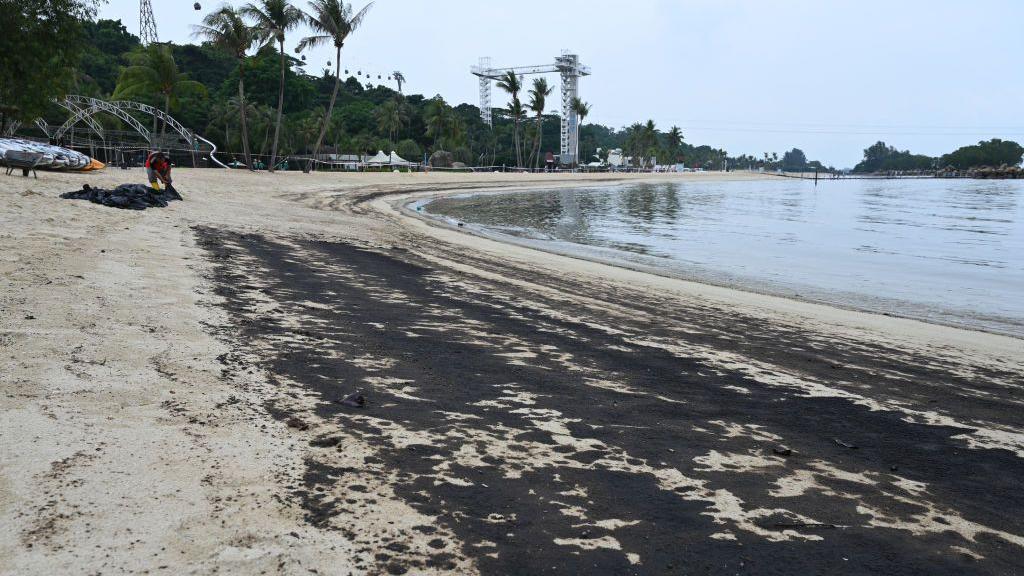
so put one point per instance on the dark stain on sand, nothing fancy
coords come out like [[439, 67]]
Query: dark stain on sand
[[584, 487]]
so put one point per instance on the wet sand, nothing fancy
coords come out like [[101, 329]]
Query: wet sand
[[172, 381]]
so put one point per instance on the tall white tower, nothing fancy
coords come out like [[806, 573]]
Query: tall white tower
[[147, 24], [571, 70]]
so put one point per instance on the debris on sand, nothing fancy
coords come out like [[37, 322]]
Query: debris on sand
[[297, 423], [354, 400], [782, 450], [126, 196]]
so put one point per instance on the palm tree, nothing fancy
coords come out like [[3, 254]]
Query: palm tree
[[438, 117], [226, 30], [391, 117], [153, 72], [538, 100], [400, 78], [309, 127], [513, 84], [272, 19], [517, 112], [674, 139], [262, 120], [332, 21], [582, 110], [645, 141], [233, 109]]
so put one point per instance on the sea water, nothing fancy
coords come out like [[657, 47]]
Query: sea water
[[945, 251]]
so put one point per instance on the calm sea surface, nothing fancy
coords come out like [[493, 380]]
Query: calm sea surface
[[948, 251]]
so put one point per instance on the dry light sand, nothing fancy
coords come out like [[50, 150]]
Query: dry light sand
[[128, 444]]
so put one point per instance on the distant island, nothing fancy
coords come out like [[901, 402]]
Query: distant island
[[993, 154]]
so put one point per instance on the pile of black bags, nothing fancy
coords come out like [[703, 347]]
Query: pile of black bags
[[126, 196]]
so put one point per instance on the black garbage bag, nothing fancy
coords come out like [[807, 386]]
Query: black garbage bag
[[126, 196]]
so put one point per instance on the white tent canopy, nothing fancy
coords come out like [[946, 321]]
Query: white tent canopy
[[380, 158], [397, 160]]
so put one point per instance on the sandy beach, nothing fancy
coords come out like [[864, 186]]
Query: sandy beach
[[173, 381]]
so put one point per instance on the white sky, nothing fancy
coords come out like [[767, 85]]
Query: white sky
[[752, 76]]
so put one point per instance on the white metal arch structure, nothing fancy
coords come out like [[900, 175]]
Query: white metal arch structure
[[84, 108], [12, 128], [75, 108], [87, 107]]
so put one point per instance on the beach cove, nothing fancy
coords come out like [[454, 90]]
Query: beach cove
[[173, 379]]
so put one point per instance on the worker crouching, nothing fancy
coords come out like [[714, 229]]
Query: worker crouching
[[158, 168]]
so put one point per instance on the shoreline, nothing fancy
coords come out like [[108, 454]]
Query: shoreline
[[926, 314], [174, 380], [822, 313]]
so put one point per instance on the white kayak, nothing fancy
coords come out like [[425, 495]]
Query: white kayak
[[54, 157]]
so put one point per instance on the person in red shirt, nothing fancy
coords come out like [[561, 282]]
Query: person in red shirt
[[158, 168]]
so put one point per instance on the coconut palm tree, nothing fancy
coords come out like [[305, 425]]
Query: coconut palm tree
[[674, 139], [438, 117], [538, 101], [232, 110], [399, 78], [153, 72], [333, 22], [226, 30], [650, 141], [513, 85], [272, 19], [517, 112], [582, 110], [391, 117], [263, 121]]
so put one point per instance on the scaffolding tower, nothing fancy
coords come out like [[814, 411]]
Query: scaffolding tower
[[147, 23], [570, 69]]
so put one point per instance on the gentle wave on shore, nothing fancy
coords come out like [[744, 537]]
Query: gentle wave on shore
[[946, 251]]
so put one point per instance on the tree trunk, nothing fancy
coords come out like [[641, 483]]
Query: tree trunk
[[540, 136], [280, 110], [245, 129], [167, 112], [519, 154], [579, 126], [330, 109]]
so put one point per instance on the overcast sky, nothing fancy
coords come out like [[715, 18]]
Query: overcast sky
[[750, 76]]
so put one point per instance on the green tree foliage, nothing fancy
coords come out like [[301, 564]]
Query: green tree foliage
[[538, 101], [582, 110], [40, 45], [332, 21], [409, 150], [225, 30], [391, 117], [880, 157], [794, 161], [992, 153], [106, 42], [262, 83], [153, 73], [512, 84], [674, 143], [272, 20], [439, 118]]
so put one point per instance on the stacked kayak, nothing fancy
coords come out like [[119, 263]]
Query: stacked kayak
[[54, 157]]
